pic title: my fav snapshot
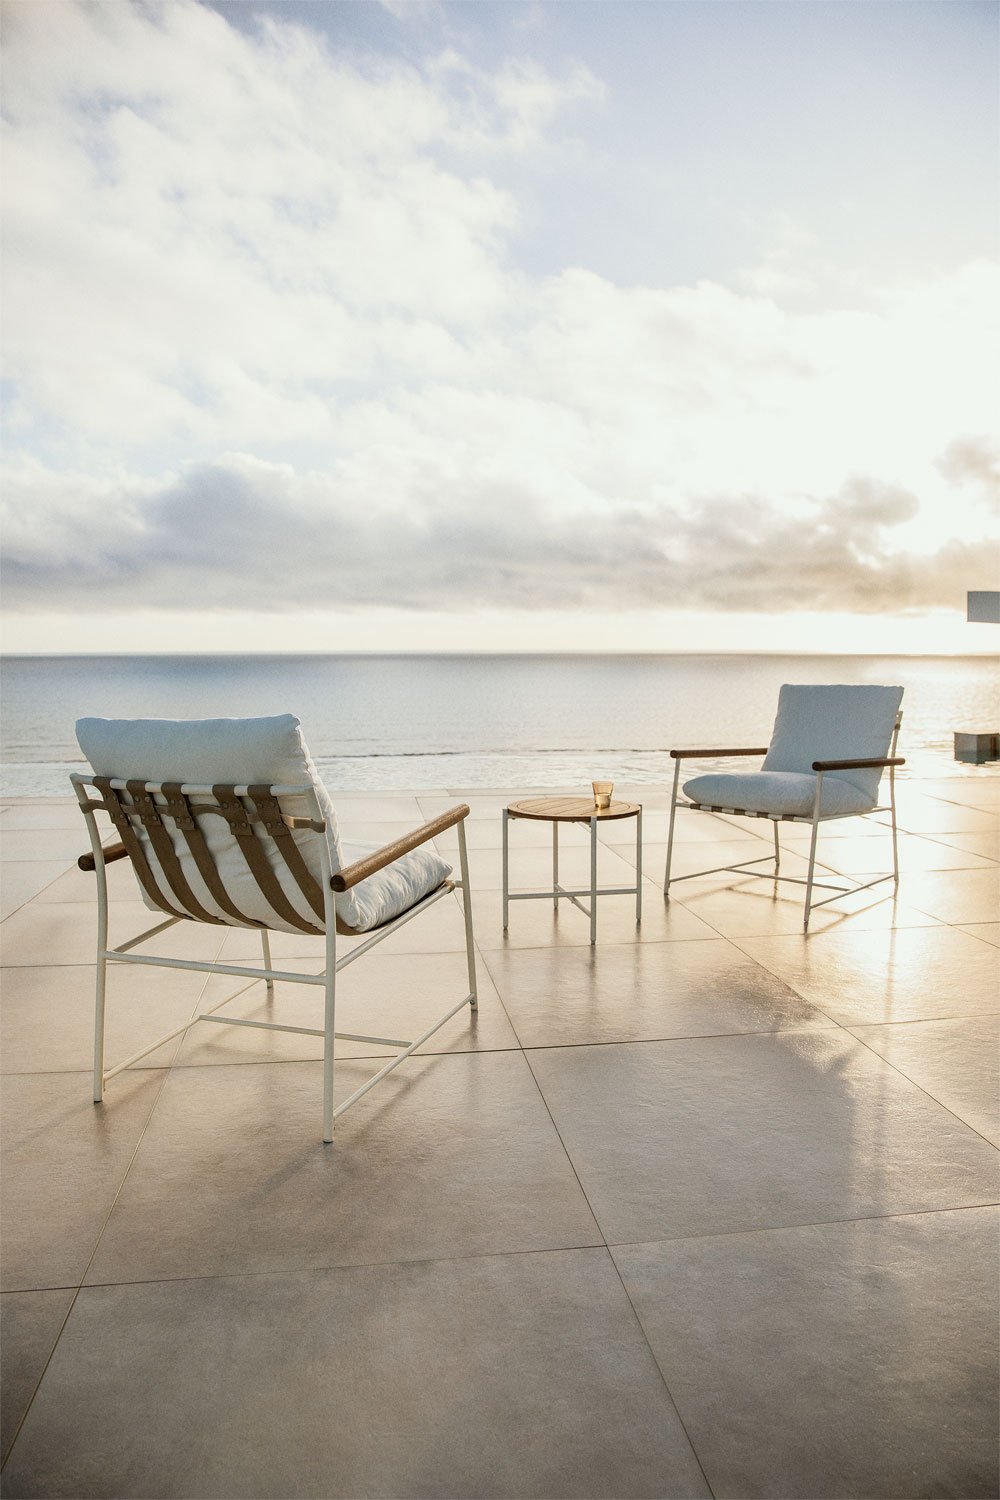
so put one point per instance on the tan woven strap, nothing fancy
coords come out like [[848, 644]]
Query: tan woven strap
[[179, 808], [119, 816], [166, 854], [270, 815], [233, 809]]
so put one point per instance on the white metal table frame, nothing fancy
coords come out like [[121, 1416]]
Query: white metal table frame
[[559, 892]]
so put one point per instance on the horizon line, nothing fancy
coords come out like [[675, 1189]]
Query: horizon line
[[975, 653]]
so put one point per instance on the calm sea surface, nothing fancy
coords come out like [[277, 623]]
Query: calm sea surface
[[383, 722]]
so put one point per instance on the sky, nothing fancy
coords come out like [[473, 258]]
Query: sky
[[420, 325]]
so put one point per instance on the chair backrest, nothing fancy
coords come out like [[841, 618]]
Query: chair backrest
[[841, 722], [258, 871]]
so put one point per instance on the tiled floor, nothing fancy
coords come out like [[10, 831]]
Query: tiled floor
[[710, 1209]]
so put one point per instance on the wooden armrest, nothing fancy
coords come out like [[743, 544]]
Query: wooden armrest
[[111, 853], [856, 765], [705, 754], [362, 868]]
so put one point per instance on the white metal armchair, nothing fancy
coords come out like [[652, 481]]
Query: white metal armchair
[[225, 821], [829, 747]]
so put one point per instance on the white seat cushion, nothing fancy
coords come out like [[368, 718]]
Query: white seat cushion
[[778, 792], [207, 752]]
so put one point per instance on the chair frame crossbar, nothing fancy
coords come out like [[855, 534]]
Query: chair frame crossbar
[[812, 821], [263, 813]]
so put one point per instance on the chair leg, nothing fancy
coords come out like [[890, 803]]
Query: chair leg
[[102, 974], [266, 945], [100, 997], [670, 829], [329, 1010], [593, 881], [812, 850], [470, 942], [892, 804], [506, 856], [777, 848], [555, 864]]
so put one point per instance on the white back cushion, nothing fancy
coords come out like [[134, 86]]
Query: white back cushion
[[206, 752], [201, 752], [237, 752], [843, 722]]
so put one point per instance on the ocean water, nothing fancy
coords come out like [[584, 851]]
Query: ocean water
[[451, 721]]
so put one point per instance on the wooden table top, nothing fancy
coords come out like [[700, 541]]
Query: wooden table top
[[570, 809]]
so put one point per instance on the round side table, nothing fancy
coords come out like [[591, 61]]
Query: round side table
[[556, 810]]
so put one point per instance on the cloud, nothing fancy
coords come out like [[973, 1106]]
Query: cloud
[[241, 534], [269, 341], [974, 460]]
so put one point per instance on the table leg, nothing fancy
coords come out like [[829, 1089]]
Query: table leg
[[555, 866], [638, 867], [593, 881], [506, 820]]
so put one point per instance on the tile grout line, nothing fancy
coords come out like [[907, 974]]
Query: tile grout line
[[926, 1092], [596, 1245], [37, 1386], [755, 1229], [128, 1167], [611, 1258], [659, 1369]]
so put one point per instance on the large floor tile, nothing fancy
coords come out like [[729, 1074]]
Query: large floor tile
[[450, 1155], [439, 929], [480, 804], [689, 828], [53, 813], [841, 1360], [22, 880], [689, 860], [957, 1062], [535, 924], [354, 809], [642, 991], [985, 844], [519, 1376], [912, 974], [64, 1158], [64, 844], [743, 906], [75, 884], [391, 995], [931, 815], [373, 832], [988, 932], [66, 933], [980, 788], [728, 1133], [530, 869], [47, 1015], [958, 896], [865, 858], [29, 1326], [487, 833]]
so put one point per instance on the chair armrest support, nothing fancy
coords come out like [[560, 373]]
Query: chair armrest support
[[344, 880], [111, 853], [705, 754], [857, 765]]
